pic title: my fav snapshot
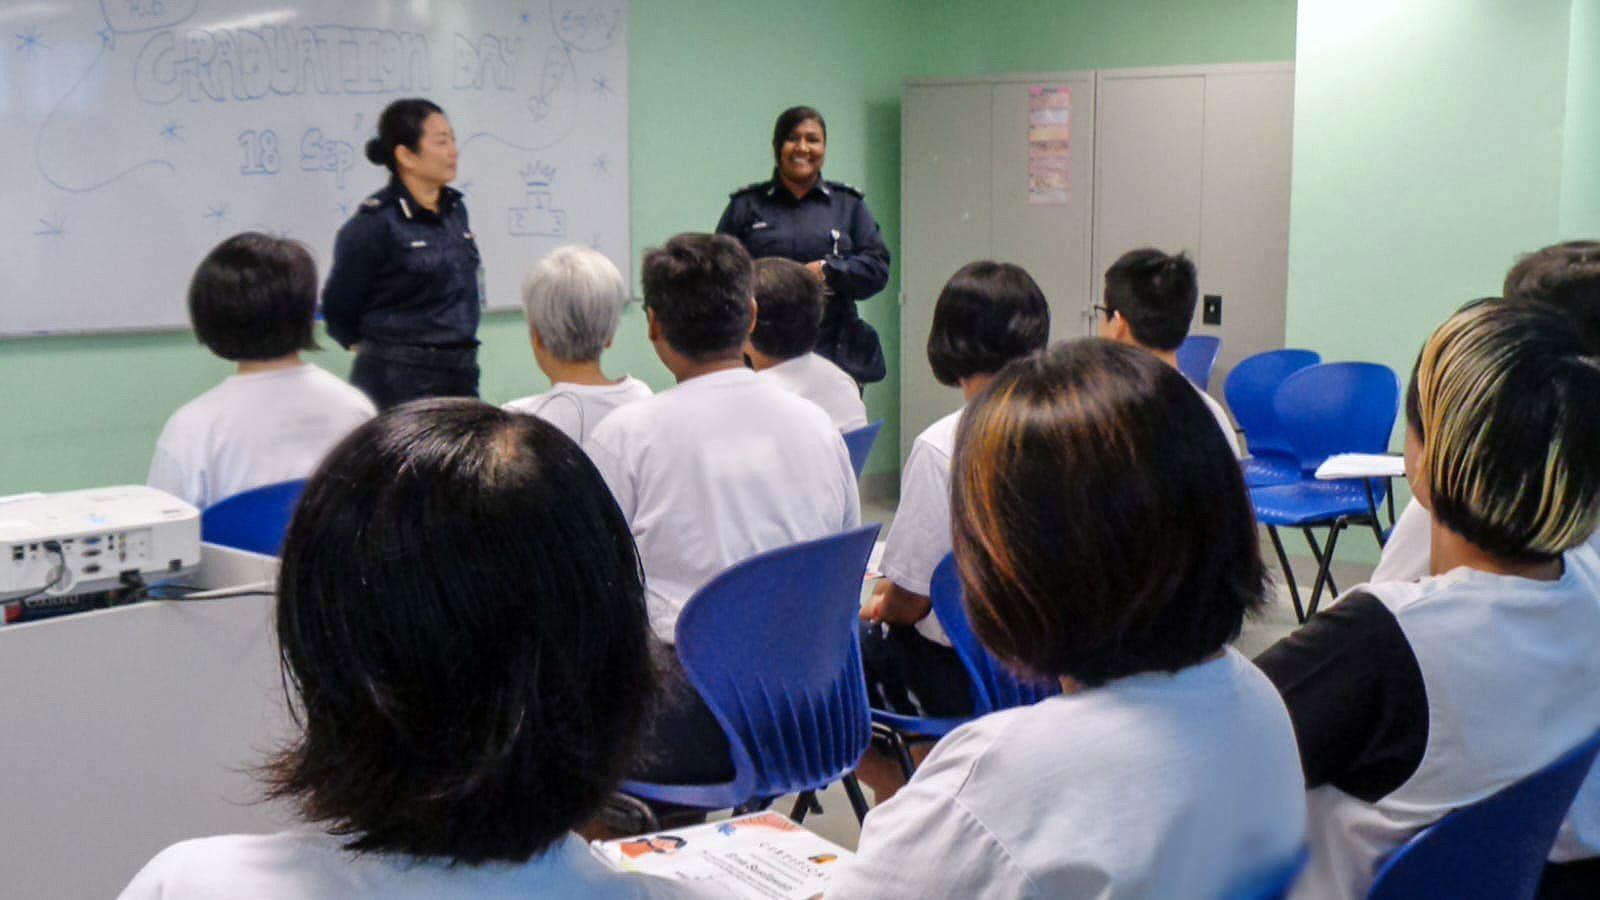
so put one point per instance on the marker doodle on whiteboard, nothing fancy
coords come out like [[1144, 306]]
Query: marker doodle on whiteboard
[[173, 131], [30, 42], [558, 84], [52, 229], [260, 152], [538, 218], [602, 164], [602, 86], [320, 155], [217, 214]]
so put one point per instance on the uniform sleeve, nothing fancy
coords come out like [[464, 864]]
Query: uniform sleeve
[[356, 257], [731, 222], [919, 537], [169, 472], [1408, 554], [865, 270], [923, 844], [1355, 695], [852, 488], [154, 880]]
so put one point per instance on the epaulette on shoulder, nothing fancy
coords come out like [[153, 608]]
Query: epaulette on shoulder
[[372, 204], [752, 187], [839, 185]]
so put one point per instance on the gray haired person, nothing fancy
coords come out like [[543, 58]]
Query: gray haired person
[[573, 300]]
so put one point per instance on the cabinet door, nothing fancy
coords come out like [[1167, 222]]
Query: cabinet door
[[1148, 168], [945, 223], [1050, 240]]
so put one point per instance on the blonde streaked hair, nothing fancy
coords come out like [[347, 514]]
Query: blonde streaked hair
[[1503, 398]]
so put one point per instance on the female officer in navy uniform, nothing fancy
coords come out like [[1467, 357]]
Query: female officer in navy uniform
[[825, 226], [405, 288]]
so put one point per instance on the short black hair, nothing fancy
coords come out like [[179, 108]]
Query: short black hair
[[788, 121], [1100, 521], [400, 125], [1503, 398], [789, 305], [1156, 293], [698, 288], [254, 297], [1565, 275], [461, 614], [988, 314]]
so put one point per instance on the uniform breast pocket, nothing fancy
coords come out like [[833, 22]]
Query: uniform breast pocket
[[762, 239], [422, 258]]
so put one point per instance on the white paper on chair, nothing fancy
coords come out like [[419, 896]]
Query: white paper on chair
[[1361, 465], [763, 856]]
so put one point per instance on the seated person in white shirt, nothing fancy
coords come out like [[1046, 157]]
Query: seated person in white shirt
[[714, 470], [1564, 275], [1149, 302], [988, 314], [252, 302], [1413, 699], [1117, 554], [789, 305], [456, 586], [573, 300]]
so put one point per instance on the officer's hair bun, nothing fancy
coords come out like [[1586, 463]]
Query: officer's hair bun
[[378, 154]]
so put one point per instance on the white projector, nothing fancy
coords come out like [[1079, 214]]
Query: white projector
[[82, 542]]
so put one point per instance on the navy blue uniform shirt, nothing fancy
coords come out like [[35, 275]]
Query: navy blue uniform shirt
[[403, 274], [831, 223]]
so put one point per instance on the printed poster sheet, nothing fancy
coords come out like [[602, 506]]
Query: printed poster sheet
[[1049, 145], [761, 856]]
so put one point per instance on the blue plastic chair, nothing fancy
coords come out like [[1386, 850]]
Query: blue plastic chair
[[1347, 407], [1249, 391], [1274, 884], [1197, 356], [859, 442], [1494, 849], [255, 520], [993, 686], [772, 647]]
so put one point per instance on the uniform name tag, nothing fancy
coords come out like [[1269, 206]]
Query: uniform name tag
[[415, 244], [758, 226]]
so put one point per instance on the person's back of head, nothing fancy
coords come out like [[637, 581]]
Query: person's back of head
[[1155, 294], [1565, 275], [1100, 520], [789, 304], [1504, 442], [987, 314], [697, 291], [254, 297], [574, 299], [461, 615]]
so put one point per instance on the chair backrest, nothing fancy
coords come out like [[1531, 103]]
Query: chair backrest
[[1197, 356], [994, 687], [1346, 407], [1495, 848], [859, 442], [255, 520], [1250, 389], [771, 644]]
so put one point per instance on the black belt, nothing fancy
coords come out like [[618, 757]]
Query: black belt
[[432, 355]]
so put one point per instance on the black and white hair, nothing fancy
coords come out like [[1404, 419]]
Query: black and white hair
[[574, 298]]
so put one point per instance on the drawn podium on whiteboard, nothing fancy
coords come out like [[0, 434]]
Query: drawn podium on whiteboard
[[538, 218]]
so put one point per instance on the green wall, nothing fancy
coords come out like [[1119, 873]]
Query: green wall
[[1427, 155], [1580, 168]]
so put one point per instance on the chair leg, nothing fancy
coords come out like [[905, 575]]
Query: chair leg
[[1288, 575], [1323, 575], [1372, 511], [858, 800], [806, 802], [1316, 553]]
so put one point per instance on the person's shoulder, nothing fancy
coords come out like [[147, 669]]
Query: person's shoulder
[[228, 865], [846, 189], [634, 388], [752, 190], [526, 406], [940, 437], [337, 389]]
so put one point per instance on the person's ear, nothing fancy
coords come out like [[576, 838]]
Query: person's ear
[[754, 309], [538, 342], [404, 157], [652, 327]]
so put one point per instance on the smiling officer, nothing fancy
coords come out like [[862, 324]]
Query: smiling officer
[[823, 225]]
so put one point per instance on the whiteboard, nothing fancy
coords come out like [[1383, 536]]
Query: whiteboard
[[143, 132]]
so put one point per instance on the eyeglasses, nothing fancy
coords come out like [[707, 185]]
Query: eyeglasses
[[1104, 311]]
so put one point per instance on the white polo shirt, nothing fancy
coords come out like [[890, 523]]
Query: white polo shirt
[[1157, 785], [825, 384], [717, 469], [1223, 422], [577, 408], [919, 536], [313, 866], [254, 430]]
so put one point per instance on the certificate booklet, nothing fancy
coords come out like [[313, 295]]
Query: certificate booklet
[[761, 855]]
